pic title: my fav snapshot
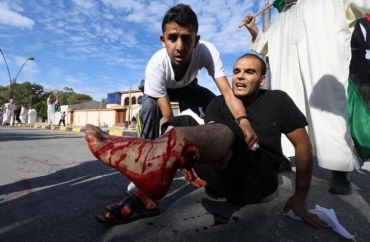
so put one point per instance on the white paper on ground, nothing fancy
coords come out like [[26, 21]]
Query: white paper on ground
[[328, 216]]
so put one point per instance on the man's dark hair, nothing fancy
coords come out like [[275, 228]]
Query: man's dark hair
[[263, 63], [181, 14]]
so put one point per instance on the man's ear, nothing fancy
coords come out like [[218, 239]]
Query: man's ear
[[263, 79], [197, 38], [161, 38]]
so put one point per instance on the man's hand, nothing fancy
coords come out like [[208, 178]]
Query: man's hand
[[250, 24], [249, 134], [250, 21], [192, 177], [298, 205]]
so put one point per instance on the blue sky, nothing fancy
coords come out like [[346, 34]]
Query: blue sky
[[101, 46]]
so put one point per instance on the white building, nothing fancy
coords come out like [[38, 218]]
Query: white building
[[120, 108]]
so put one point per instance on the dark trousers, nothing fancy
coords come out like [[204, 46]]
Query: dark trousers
[[192, 96], [62, 121], [246, 180], [250, 175]]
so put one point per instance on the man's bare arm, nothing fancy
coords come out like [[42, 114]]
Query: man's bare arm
[[304, 166], [303, 157], [165, 107], [250, 24], [237, 109]]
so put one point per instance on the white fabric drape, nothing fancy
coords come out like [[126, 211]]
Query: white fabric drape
[[309, 51]]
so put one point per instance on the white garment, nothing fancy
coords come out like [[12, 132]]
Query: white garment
[[159, 74], [328, 216], [9, 114], [309, 52], [51, 111], [5, 116], [23, 115], [32, 116]]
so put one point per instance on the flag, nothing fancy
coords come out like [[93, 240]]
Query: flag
[[57, 107], [359, 121], [279, 5]]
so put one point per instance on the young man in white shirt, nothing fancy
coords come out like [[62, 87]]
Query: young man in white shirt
[[171, 75]]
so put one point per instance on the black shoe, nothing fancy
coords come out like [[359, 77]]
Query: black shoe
[[340, 183]]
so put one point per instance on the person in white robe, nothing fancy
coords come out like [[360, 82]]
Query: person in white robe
[[51, 109], [309, 52], [9, 113], [4, 115], [31, 116], [23, 115]]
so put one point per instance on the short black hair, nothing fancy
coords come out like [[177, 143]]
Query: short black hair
[[263, 63], [181, 14]]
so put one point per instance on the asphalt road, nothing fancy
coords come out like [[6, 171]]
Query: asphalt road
[[51, 188]]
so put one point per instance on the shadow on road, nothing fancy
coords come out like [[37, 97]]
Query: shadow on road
[[6, 134], [61, 207]]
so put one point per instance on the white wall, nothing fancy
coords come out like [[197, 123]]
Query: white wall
[[106, 117]]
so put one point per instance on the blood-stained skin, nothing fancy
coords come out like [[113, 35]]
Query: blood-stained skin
[[149, 164]]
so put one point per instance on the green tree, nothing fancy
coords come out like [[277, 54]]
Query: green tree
[[64, 94], [77, 98], [41, 109], [33, 94], [25, 94], [4, 95]]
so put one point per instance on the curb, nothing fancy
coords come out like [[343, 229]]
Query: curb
[[127, 133]]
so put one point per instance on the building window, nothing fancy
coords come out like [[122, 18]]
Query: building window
[[127, 101], [114, 98], [133, 100], [140, 100]]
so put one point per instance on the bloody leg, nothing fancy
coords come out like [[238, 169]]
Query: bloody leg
[[149, 164]]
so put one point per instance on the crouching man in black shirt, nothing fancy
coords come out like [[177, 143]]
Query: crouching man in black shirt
[[247, 176], [214, 155]]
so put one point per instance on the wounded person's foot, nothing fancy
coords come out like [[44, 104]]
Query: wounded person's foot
[[150, 164], [133, 207], [96, 138]]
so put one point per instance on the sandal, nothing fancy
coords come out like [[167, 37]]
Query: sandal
[[137, 211]]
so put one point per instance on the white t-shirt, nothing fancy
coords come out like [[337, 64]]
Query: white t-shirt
[[159, 74]]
